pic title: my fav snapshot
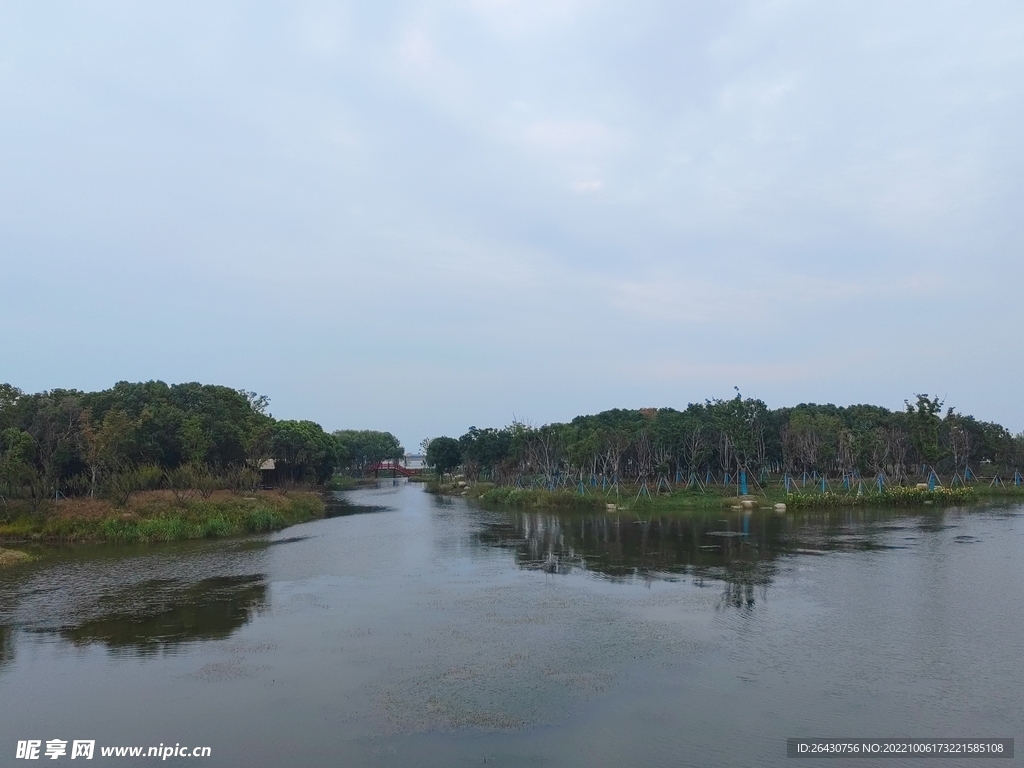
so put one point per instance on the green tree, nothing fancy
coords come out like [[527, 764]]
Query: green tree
[[9, 397], [304, 449], [363, 448], [444, 455], [485, 448], [18, 474], [105, 446], [924, 419], [195, 440]]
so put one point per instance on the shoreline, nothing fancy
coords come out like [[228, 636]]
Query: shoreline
[[156, 517], [632, 497]]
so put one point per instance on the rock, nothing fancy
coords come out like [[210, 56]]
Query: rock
[[611, 507], [748, 504], [780, 507], [922, 486]]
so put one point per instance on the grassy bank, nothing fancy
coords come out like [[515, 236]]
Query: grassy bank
[[541, 499], [895, 496], [155, 516], [349, 483], [631, 497], [627, 497]]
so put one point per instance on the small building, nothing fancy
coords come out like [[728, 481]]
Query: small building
[[415, 461], [268, 474]]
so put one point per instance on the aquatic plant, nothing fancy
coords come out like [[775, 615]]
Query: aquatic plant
[[892, 495]]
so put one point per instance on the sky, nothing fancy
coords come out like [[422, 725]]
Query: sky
[[420, 216]]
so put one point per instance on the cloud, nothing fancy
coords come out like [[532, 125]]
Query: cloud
[[517, 18], [530, 192]]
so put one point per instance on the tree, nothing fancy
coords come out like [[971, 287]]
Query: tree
[[485, 449], [304, 450], [444, 455], [18, 474], [363, 448], [9, 397], [104, 447], [924, 420]]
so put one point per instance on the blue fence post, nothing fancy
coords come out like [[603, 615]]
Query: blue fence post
[[743, 482]]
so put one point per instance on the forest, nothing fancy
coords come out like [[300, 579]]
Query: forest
[[186, 438], [197, 438], [713, 441]]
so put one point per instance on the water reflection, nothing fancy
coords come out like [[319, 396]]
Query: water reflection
[[6, 646], [137, 600], [446, 634], [338, 506], [159, 613], [738, 550]]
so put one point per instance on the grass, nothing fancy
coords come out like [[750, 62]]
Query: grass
[[894, 496], [155, 516], [630, 497], [348, 483], [593, 498], [13, 557], [535, 498]]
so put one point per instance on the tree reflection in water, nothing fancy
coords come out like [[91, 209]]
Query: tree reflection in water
[[739, 550], [6, 646], [160, 613]]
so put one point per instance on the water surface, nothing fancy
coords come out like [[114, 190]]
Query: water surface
[[411, 630]]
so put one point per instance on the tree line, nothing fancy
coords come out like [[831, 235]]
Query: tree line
[[187, 437], [720, 438]]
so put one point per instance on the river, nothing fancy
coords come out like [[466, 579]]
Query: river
[[411, 630]]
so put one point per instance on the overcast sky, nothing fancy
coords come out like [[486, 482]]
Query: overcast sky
[[421, 216]]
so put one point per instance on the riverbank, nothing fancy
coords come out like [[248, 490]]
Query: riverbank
[[349, 483], [155, 516], [634, 497]]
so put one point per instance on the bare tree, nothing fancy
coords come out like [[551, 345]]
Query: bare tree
[[615, 445], [960, 445], [695, 446], [644, 455], [898, 449], [845, 451]]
